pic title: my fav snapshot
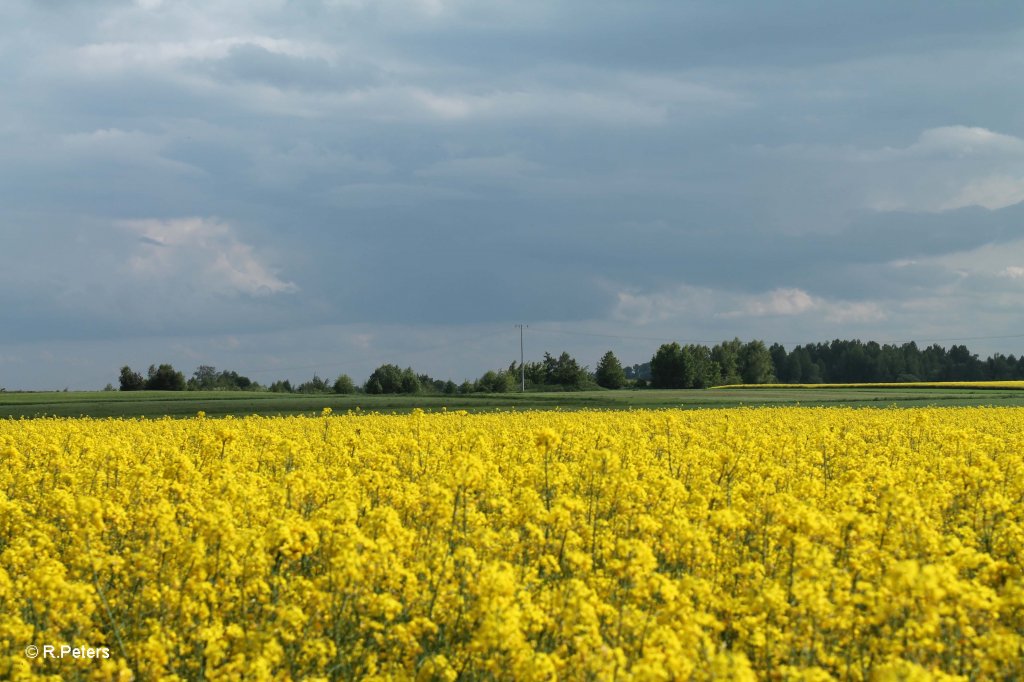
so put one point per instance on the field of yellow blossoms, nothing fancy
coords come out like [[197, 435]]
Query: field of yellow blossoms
[[789, 543]]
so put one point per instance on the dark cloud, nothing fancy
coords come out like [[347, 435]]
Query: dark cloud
[[751, 169], [249, 62]]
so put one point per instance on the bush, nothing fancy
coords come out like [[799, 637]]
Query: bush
[[165, 378], [131, 380], [343, 384]]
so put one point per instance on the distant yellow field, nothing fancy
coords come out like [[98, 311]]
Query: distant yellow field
[[741, 544], [909, 384]]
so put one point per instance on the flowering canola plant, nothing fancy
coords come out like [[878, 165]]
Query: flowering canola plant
[[771, 543]]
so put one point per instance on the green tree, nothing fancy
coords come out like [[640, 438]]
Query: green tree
[[535, 373], [780, 360], [343, 384], [410, 383], [668, 366], [203, 379], [494, 382], [727, 355], [756, 363], [131, 380], [281, 386], [385, 379], [234, 381], [609, 372], [699, 369], [165, 378], [564, 371], [314, 385]]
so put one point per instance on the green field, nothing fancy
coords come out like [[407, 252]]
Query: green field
[[219, 403]]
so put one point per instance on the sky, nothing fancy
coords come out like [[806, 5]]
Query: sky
[[288, 188]]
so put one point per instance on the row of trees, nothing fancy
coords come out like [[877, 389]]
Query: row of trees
[[561, 373], [206, 378], [838, 361], [697, 366], [162, 378], [672, 366], [385, 379], [857, 361]]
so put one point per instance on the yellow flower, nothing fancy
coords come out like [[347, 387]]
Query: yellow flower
[[798, 543]]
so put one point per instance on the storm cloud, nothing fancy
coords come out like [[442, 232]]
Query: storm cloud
[[277, 187]]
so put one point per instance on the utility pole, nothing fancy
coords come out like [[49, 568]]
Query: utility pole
[[522, 365]]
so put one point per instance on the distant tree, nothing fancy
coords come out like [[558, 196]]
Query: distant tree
[[392, 379], [564, 371], [514, 369], [792, 371], [314, 385], [281, 387], [410, 382], [667, 366], [234, 381], [609, 372], [131, 380], [933, 363], [494, 382], [801, 366], [1000, 367], [535, 373], [165, 378], [428, 384], [108, 387], [962, 365], [638, 372], [343, 384], [450, 388], [701, 370], [385, 379], [779, 359], [911, 359], [203, 379], [756, 363], [207, 378], [727, 355]]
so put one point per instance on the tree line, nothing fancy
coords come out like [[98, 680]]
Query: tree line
[[838, 361], [672, 366]]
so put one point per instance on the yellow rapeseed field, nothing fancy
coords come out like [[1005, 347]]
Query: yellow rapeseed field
[[791, 543]]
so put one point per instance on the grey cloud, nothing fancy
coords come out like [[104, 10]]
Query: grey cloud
[[250, 62], [451, 164]]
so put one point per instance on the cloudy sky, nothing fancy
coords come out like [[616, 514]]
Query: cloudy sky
[[287, 187]]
